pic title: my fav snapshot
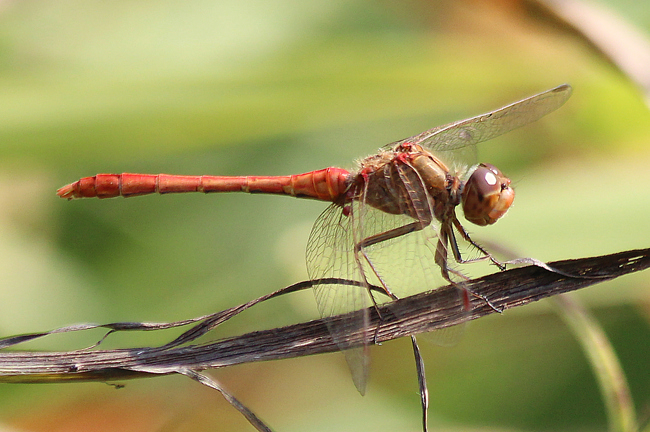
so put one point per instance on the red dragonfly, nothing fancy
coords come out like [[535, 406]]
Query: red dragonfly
[[392, 221]]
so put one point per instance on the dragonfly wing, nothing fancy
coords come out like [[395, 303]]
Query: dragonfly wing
[[404, 264], [484, 127], [340, 288]]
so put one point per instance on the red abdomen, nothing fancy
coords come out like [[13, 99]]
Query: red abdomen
[[327, 185]]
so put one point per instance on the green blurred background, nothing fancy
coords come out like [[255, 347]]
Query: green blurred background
[[282, 87]]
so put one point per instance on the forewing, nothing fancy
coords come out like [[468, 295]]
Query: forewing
[[484, 127]]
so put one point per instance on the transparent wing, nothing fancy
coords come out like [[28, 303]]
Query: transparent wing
[[403, 261], [405, 264], [330, 256], [484, 127]]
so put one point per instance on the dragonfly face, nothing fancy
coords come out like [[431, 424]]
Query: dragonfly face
[[487, 195]]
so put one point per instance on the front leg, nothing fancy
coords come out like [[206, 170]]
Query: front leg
[[466, 237], [445, 238], [442, 261]]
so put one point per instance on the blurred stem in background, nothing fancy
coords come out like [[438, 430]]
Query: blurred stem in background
[[602, 357]]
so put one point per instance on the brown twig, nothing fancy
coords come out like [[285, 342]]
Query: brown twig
[[411, 315]]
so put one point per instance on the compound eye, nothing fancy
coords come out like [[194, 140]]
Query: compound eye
[[487, 195]]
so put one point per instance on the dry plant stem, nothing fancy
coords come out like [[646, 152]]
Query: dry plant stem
[[608, 371], [422, 383], [405, 317], [207, 381]]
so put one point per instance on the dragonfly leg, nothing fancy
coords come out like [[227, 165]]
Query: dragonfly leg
[[458, 258], [445, 269], [381, 237], [467, 238], [441, 258], [370, 293]]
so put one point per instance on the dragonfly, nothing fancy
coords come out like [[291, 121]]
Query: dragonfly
[[392, 221]]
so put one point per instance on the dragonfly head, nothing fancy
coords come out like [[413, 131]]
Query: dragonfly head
[[487, 195]]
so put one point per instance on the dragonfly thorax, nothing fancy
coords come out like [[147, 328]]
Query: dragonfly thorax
[[411, 182]]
